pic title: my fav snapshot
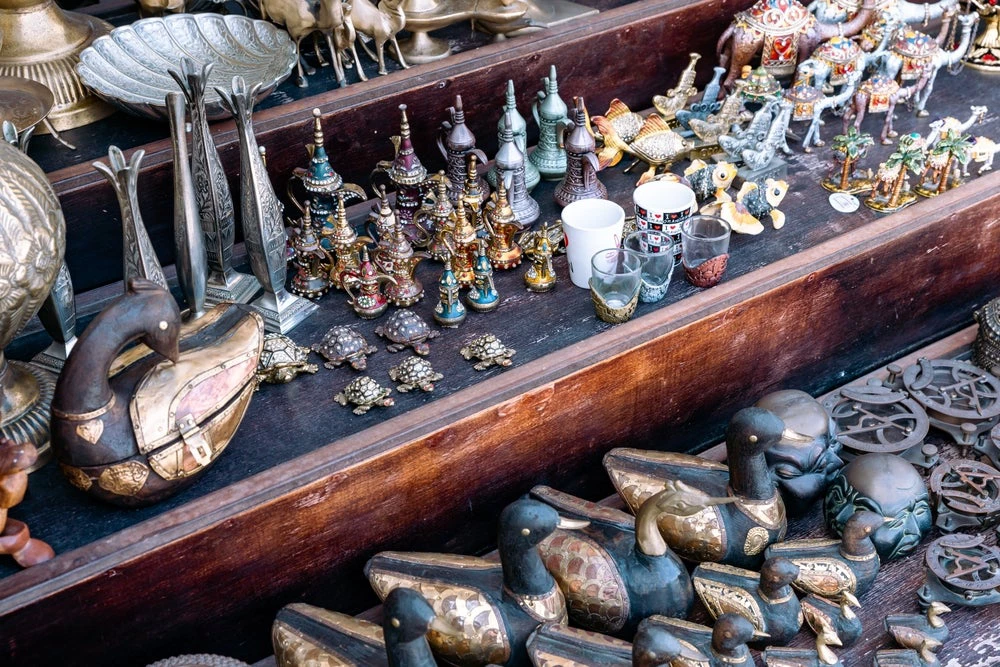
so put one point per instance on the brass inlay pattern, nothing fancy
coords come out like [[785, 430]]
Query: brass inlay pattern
[[720, 599], [824, 576], [293, 649], [550, 606], [756, 541], [124, 479], [84, 416], [76, 477], [90, 431], [767, 513]]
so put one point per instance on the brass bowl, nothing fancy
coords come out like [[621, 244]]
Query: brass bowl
[[129, 67]]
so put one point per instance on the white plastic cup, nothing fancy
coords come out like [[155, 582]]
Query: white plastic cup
[[590, 225]]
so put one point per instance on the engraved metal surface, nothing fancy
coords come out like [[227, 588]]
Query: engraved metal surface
[[875, 418], [964, 562], [953, 391], [967, 494]]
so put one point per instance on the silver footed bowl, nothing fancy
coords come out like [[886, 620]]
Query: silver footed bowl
[[129, 67]]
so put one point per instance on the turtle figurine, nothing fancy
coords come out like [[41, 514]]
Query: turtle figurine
[[414, 373], [365, 393], [403, 329], [344, 344], [282, 359], [489, 350]]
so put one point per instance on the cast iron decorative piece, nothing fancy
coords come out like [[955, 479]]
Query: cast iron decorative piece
[[540, 276], [344, 345], [261, 214], [121, 439], [617, 570], [736, 533], [929, 623], [510, 168], [653, 645], [449, 311], [405, 172], [493, 607], [831, 568], [58, 316], [501, 226], [312, 261], [369, 302], [489, 351], [990, 446], [966, 495], [211, 187], [366, 394], [404, 329], [549, 111], [890, 486], [16, 459], [456, 143], [725, 643], [414, 373], [954, 393], [519, 128], [483, 296], [961, 570], [582, 165], [986, 349], [873, 418], [805, 460], [282, 359], [829, 617], [319, 179]]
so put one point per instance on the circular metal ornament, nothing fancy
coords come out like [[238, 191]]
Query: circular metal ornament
[[964, 563], [967, 494], [874, 418], [955, 395]]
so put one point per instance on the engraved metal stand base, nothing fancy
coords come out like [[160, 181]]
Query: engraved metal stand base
[[27, 397], [54, 356], [240, 288], [284, 311]]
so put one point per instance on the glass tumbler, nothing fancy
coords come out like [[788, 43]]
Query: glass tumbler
[[705, 249], [614, 283], [657, 266]]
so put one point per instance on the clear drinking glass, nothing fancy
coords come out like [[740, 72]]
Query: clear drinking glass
[[705, 249], [614, 283], [657, 266]]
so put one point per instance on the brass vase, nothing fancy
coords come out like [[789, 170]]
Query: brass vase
[[32, 226], [43, 43]]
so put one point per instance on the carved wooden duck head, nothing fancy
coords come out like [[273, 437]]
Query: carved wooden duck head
[[750, 433]]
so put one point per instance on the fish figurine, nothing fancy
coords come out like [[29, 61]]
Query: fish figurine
[[555, 644], [626, 122], [656, 144], [753, 202]]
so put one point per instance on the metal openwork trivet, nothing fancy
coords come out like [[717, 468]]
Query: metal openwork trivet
[[966, 493]]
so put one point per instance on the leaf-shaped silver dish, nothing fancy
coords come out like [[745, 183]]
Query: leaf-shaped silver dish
[[129, 66]]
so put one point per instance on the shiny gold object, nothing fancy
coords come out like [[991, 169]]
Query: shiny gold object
[[26, 104], [424, 16], [614, 315], [489, 351], [43, 43], [985, 51], [501, 226], [676, 98], [540, 276], [33, 229]]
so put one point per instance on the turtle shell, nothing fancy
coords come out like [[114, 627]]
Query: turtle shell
[[915, 44], [404, 326], [777, 17], [341, 343], [837, 51], [365, 391], [488, 347], [281, 351], [415, 371]]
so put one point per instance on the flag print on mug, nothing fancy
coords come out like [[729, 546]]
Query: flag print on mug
[[660, 208]]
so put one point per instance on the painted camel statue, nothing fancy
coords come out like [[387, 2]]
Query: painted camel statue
[[835, 102], [880, 94], [983, 150], [942, 125], [836, 11], [948, 58]]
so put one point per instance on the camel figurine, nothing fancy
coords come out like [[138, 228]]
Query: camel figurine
[[381, 24], [983, 150], [810, 104], [15, 539], [784, 32], [880, 94], [942, 125], [948, 58], [890, 187], [298, 18], [901, 12]]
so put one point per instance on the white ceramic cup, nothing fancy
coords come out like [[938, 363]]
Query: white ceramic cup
[[590, 225], [661, 207]]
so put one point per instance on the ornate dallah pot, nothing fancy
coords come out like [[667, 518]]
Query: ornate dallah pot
[[780, 22], [843, 56], [34, 233]]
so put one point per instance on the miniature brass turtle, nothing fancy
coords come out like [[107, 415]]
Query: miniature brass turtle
[[414, 373], [344, 344], [365, 393], [282, 359], [403, 329], [489, 350]]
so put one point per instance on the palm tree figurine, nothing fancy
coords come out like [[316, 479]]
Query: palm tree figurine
[[890, 191], [848, 149], [941, 171]]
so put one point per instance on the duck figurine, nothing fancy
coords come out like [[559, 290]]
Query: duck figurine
[[495, 605], [618, 570], [765, 599], [555, 644], [830, 567], [725, 643], [734, 533], [836, 617], [134, 427], [930, 624], [304, 635], [901, 657], [925, 646], [821, 656]]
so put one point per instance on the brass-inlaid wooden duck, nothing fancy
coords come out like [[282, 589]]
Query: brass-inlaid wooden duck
[[930, 624], [830, 567], [826, 616], [305, 636], [134, 427], [765, 599], [925, 645], [725, 643], [735, 533], [557, 645], [618, 570], [821, 656], [902, 657], [656, 144], [494, 605]]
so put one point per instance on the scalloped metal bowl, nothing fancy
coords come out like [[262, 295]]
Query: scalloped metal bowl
[[129, 66]]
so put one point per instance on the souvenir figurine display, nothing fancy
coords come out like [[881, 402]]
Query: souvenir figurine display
[[961, 570], [16, 459], [540, 276], [215, 202], [488, 351], [881, 94], [510, 167], [365, 393], [281, 360], [475, 194], [501, 226], [757, 87], [302, 20], [765, 599], [618, 570], [414, 373], [942, 168], [515, 595], [313, 262], [344, 345], [483, 296], [263, 228], [436, 218], [143, 452], [319, 180], [725, 643], [519, 129], [735, 533], [848, 149], [405, 172], [381, 225], [653, 645], [810, 105], [381, 23], [834, 62], [625, 122], [753, 202], [714, 125], [677, 97], [456, 143], [890, 189], [462, 245], [549, 110], [303, 634], [369, 302], [401, 263], [709, 181], [985, 51], [900, 657], [199, 660], [825, 616], [404, 329], [449, 311], [929, 623], [758, 155], [345, 244]]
